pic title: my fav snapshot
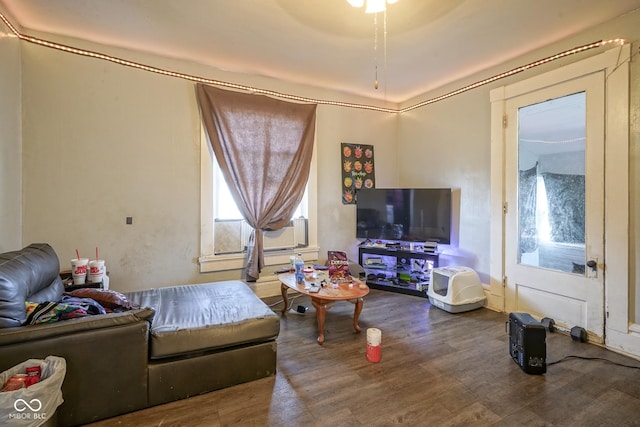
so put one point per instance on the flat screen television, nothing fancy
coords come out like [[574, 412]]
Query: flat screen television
[[404, 214]]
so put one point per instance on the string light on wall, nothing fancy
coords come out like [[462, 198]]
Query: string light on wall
[[517, 70], [251, 89]]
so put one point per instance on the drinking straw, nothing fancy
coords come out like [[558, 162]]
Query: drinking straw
[[96, 253], [77, 254]]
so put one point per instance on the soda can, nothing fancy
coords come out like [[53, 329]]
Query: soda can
[[16, 382]]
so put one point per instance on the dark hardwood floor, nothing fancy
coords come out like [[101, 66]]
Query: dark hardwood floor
[[437, 369]]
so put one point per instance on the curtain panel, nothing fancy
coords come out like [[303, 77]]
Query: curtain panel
[[264, 147]]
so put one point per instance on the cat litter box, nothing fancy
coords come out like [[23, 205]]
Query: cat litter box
[[455, 289]]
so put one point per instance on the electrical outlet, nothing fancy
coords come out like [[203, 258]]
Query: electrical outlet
[[129, 220]]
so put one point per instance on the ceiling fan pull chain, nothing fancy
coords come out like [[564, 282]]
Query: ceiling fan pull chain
[[375, 49]]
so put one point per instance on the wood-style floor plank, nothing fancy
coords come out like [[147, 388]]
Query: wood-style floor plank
[[437, 369]]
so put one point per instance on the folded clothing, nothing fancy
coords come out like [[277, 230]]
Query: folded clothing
[[67, 308]]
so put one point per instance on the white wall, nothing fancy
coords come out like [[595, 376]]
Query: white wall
[[448, 143], [10, 143], [103, 142], [634, 185], [337, 230]]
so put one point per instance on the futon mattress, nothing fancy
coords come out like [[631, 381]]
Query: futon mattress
[[196, 318]]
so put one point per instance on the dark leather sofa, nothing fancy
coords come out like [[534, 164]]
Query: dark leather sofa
[[183, 341]]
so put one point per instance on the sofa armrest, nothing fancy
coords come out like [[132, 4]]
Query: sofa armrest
[[22, 334], [106, 357]]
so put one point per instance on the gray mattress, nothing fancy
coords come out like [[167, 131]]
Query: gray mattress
[[196, 318]]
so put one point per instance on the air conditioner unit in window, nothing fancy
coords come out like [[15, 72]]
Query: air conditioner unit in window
[[288, 237], [279, 239], [232, 236], [227, 237]]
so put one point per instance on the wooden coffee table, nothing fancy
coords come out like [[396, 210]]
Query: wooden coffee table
[[323, 300]]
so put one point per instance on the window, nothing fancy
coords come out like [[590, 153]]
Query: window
[[224, 207], [231, 232], [220, 217]]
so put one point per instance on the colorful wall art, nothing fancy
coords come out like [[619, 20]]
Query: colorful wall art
[[357, 170]]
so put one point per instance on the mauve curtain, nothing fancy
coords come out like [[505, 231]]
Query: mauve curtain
[[264, 147]]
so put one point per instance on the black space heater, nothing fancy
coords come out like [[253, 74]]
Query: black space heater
[[527, 344]]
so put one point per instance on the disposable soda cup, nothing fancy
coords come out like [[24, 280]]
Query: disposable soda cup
[[79, 270], [96, 270]]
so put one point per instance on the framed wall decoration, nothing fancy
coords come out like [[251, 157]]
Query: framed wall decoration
[[357, 170]]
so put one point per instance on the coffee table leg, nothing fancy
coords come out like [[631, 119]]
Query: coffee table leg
[[321, 311], [356, 314], [283, 290]]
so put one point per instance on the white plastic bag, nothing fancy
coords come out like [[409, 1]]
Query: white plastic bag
[[33, 406]]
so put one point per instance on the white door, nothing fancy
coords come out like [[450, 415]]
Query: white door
[[554, 210]]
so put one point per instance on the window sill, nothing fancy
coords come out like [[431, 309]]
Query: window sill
[[213, 263]]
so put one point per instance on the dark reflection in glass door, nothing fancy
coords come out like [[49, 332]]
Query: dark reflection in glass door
[[551, 184]]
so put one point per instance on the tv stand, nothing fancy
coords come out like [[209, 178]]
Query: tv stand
[[397, 270]]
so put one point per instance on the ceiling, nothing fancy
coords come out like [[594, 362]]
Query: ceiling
[[325, 43]]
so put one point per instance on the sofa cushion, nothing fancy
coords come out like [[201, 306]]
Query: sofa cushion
[[32, 274], [196, 318]]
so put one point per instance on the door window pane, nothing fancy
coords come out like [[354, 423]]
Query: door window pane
[[551, 184]]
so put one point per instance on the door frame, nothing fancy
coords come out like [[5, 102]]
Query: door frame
[[615, 63], [570, 299]]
